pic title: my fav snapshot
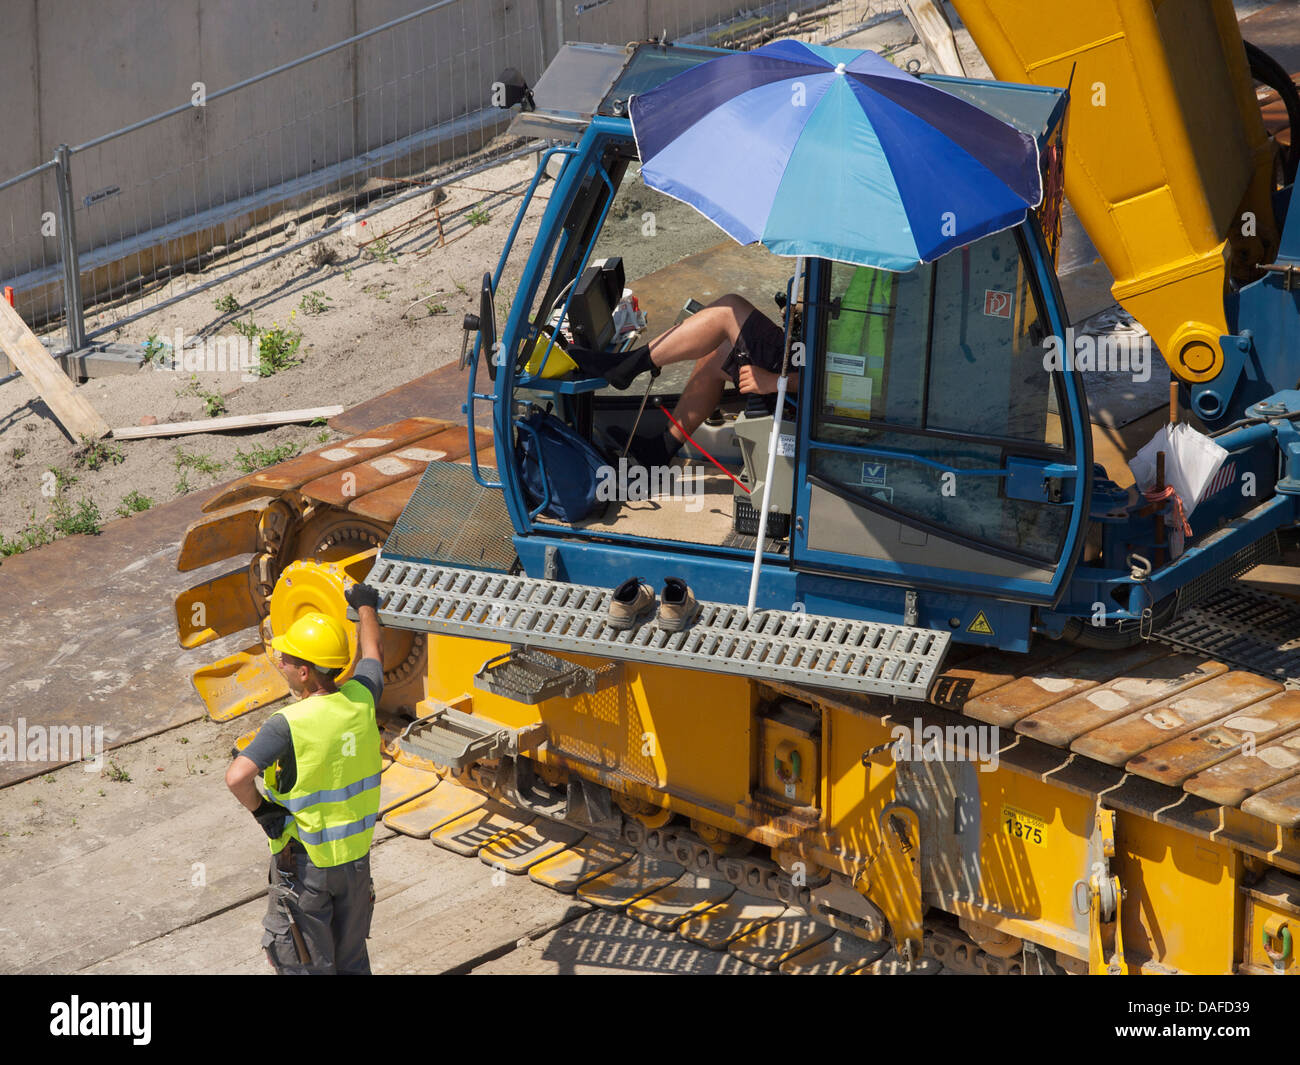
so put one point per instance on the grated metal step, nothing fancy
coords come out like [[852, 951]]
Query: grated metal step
[[1242, 627], [532, 677], [863, 656]]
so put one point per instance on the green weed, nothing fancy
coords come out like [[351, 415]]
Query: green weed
[[260, 457], [133, 503]]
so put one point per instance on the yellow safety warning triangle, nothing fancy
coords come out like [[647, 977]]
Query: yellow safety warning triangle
[[980, 626]]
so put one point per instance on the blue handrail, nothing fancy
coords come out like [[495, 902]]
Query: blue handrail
[[471, 395]]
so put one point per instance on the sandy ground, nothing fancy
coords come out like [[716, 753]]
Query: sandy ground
[[387, 318]]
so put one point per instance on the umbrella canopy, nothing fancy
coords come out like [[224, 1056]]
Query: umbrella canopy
[[835, 153]]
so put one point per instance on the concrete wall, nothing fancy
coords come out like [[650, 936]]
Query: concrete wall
[[72, 70]]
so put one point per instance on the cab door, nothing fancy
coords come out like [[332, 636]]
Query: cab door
[[940, 451]]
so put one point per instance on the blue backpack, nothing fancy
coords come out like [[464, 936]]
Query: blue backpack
[[570, 463]]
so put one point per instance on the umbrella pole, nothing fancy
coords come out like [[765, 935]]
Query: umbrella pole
[[774, 441]]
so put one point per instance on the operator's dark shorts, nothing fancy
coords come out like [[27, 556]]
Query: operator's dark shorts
[[761, 343]]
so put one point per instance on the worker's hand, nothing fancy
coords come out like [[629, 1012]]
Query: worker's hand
[[756, 380], [272, 817], [359, 595]]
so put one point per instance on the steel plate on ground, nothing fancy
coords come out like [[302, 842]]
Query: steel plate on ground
[[582, 862], [776, 942], [628, 882], [467, 835], [444, 804], [670, 906], [740, 914], [521, 848], [837, 955]]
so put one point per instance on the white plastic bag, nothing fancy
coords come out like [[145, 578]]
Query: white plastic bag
[[1191, 461]]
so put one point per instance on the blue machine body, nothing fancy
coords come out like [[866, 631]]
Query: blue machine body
[[1035, 537]]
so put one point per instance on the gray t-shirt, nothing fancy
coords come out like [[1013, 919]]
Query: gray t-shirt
[[274, 742]]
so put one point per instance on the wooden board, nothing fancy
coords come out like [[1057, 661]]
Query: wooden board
[[1173, 762], [341, 487], [222, 425], [28, 354], [1027, 694], [1232, 781], [1217, 698], [1069, 719]]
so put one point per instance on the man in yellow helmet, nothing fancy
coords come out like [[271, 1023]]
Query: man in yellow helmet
[[320, 761]]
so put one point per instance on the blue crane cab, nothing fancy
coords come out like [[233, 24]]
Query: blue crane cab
[[935, 459]]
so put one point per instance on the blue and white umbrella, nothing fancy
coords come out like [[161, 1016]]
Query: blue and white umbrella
[[834, 153]]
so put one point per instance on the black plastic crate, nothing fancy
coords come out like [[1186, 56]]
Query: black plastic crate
[[746, 521]]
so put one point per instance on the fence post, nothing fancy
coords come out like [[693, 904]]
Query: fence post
[[72, 305]]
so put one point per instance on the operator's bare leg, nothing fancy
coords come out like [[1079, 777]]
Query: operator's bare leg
[[697, 337]]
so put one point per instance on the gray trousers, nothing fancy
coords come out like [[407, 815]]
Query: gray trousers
[[332, 908]]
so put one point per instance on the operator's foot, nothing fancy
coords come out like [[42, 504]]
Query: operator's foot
[[656, 450], [619, 369]]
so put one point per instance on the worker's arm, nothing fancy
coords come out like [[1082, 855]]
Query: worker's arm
[[365, 600], [239, 779]]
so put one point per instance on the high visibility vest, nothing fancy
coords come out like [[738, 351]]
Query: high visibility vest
[[335, 798], [862, 328]]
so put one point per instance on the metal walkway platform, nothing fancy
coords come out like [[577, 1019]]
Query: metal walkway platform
[[861, 656], [1243, 627]]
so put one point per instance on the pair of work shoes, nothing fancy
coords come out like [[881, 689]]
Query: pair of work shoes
[[634, 599]]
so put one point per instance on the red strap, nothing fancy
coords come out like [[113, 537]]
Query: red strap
[[1159, 495], [701, 450]]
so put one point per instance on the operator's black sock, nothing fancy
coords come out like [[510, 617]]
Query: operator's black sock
[[657, 449], [619, 370]]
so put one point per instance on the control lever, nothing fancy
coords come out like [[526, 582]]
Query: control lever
[[471, 325]]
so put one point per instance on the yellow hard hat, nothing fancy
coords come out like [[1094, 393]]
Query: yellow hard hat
[[316, 638]]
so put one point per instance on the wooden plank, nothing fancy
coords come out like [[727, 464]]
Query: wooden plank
[[1279, 805], [1231, 782], [293, 474], [341, 487], [1029, 693], [992, 669], [1063, 722], [1173, 762], [1134, 733], [221, 425], [72, 409]]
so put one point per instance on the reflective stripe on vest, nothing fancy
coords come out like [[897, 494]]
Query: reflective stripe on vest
[[335, 796]]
